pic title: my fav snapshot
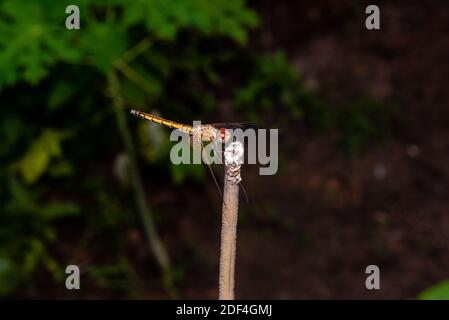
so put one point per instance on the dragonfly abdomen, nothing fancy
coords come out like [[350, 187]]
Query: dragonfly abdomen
[[165, 122]]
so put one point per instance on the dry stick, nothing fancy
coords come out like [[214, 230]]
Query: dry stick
[[233, 156]]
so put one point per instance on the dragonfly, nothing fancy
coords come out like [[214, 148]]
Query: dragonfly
[[204, 133]]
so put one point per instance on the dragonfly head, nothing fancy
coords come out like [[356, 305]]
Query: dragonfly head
[[224, 135], [211, 134]]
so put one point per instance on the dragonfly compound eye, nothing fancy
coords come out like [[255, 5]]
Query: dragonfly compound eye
[[223, 134]]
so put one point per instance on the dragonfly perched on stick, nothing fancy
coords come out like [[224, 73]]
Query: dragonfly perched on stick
[[205, 133]]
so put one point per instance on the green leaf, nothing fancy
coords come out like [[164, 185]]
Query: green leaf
[[104, 43], [34, 254], [56, 210], [8, 276], [12, 128], [60, 94], [37, 159], [118, 276], [62, 168], [21, 198], [437, 292]]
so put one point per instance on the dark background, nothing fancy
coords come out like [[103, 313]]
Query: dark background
[[363, 146]]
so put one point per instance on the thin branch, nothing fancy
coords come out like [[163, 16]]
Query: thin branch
[[154, 241], [134, 76], [122, 64], [142, 46]]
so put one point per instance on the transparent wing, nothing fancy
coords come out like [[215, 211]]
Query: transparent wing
[[234, 125]]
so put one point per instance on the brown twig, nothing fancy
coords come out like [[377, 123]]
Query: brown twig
[[233, 156]]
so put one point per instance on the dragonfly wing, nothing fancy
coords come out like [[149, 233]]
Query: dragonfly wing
[[203, 149], [234, 125], [212, 173]]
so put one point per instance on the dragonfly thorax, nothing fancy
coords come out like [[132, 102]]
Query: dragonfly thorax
[[205, 133], [208, 133]]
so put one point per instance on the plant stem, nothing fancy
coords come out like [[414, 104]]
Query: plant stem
[[228, 238], [136, 50], [134, 76], [154, 241]]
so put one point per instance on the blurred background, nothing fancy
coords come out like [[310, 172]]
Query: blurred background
[[363, 145]]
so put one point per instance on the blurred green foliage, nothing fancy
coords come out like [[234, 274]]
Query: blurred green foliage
[[58, 136], [272, 82], [119, 276], [361, 121], [52, 106], [273, 85], [437, 292], [46, 133], [37, 158], [26, 229]]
